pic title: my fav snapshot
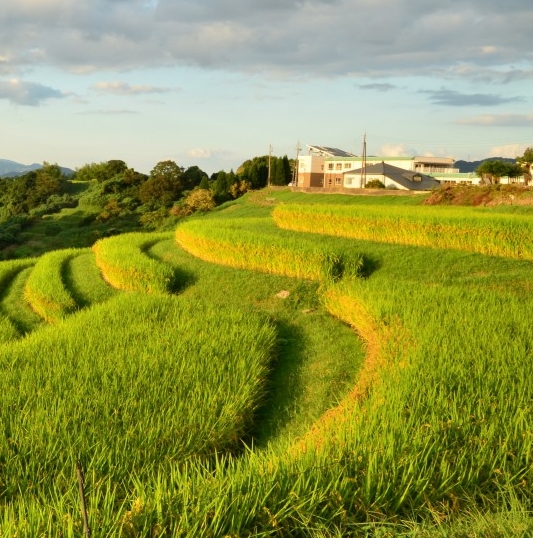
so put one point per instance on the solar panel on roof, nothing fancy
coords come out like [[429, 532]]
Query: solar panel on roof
[[331, 152]]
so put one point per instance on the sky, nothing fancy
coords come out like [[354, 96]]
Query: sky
[[212, 83]]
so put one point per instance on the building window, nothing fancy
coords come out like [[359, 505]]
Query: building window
[[347, 165], [330, 166], [338, 181], [338, 166]]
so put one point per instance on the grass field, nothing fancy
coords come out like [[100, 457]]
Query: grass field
[[288, 383]]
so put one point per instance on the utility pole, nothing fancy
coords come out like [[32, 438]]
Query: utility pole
[[363, 164], [269, 158], [295, 167]]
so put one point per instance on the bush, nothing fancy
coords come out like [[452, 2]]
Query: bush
[[375, 184], [153, 219], [200, 200]]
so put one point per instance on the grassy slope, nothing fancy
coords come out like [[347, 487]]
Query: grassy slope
[[312, 342], [318, 356], [451, 276]]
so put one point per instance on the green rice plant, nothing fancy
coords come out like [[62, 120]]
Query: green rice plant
[[8, 272], [14, 305], [84, 280], [251, 244], [133, 387], [9, 269], [469, 229], [8, 331], [441, 416], [435, 437], [123, 261], [45, 288]]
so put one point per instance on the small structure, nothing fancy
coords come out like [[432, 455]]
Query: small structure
[[391, 176]]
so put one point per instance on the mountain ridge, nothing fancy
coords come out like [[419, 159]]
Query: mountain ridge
[[470, 166], [9, 168]]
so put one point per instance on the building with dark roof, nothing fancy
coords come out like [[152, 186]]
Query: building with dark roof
[[391, 177], [326, 167]]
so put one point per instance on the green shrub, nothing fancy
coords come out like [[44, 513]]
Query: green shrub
[[375, 184]]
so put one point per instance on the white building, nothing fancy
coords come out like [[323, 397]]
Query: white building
[[332, 167]]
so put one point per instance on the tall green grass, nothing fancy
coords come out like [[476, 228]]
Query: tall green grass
[[125, 265], [45, 288], [253, 244], [132, 387], [497, 234], [8, 271], [14, 305], [438, 425], [435, 436], [84, 280]]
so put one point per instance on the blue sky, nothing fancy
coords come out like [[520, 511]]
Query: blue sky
[[215, 82]]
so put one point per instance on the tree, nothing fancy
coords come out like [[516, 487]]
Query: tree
[[492, 171], [221, 187], [526, 164], [254, 172], [280, 173], [204, 184], [164, 184], [101, 172], [192, 177], [514, 172], [30, 190]]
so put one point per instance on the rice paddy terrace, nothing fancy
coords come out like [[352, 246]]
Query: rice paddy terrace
[[288, 365]]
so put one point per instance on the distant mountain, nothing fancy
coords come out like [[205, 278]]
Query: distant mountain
[[470, 166], [13, 169]]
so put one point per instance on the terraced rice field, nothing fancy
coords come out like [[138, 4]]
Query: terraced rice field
[[236, 379]]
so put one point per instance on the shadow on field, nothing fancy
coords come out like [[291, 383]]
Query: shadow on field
[[284, 388], [182, 280], [370, 265]]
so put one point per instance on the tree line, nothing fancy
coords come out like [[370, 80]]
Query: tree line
[[491, 171], [111, 192]]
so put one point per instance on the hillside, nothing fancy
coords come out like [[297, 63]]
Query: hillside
[[286, 365]]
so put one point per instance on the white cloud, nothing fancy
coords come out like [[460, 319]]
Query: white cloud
[[396, 150], [499, 120], [123, 88], [21, 92], [108, 112], [510, 151], [316, 37], [200, 153]]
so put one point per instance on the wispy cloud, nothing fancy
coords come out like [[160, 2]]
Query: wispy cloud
[[454, 98], [379, 87], [25, 93], [123, 88], [109, 112], [499, 120]]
